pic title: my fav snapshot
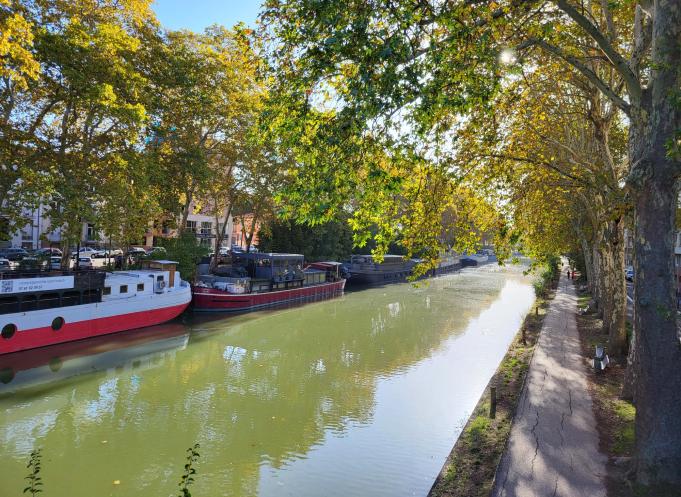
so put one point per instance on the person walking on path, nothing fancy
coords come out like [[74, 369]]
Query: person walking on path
[[553, 446]]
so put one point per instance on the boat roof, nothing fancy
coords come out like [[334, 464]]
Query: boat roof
[[268, 255]]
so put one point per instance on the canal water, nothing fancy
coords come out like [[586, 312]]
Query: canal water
[[363, 395]]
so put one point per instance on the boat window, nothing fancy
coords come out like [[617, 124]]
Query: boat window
[[8, 331], [107, 290], [91, 295], [29, 303], [71, 298], [57, 323], [48, 301], [123, 289], [140, 287], [9, 304]]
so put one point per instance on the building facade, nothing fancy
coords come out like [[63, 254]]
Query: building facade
[[238, 232], [200, 222], [39, 233]]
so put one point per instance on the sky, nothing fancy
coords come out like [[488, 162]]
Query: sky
[[198, 14]]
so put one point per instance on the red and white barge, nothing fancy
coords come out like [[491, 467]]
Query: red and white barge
[[259, 280], [40, 309]]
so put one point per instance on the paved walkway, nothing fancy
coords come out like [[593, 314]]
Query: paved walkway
[[553, 448]]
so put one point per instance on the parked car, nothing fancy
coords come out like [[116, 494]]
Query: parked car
[[33, 263], [86, 252], [629, 274], [49, 252], [55, 262], [85, 263], [111, 252], [136, 251], [13, 254], [5, 265], [157, 252]]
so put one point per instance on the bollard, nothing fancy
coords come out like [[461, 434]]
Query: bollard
[[493, 402], [536, 311]]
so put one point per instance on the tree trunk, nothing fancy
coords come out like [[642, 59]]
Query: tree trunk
[[656, 165], [185, 212], [599, 285], [220, 232], [658, 368], [248, 236], [588, 264], [629, 386], [607, 299], [615, 313]]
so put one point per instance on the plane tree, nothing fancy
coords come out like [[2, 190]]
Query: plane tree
[[551, 129], [404, 67]]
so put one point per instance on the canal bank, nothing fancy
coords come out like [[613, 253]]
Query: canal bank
[[470, 468]]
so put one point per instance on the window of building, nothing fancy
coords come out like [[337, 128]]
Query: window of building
[[124, 289], [191, 226], [140, 287], [91, 232], [107, 290], [206, 228], [27, 234]]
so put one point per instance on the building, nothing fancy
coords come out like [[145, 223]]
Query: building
[[38, 233], [201, 223], [238, 238]]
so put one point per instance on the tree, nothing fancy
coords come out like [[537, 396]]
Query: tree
[[204, 119], [557, 137], [18, 64], [328, 241], [434, 62], [68, 127]]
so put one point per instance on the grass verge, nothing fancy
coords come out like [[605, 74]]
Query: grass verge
[[614, 416], [471, 465]]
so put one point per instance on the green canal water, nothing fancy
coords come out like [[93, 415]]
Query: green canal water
[[363, 395]]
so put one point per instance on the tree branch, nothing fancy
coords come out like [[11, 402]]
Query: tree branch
[[582, 68], [620, 64]]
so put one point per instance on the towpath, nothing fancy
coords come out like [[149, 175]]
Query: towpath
[[553, 447]]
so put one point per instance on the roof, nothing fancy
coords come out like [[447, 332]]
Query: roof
[[268, 255]]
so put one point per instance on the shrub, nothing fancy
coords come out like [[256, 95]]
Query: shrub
[[187, 251]]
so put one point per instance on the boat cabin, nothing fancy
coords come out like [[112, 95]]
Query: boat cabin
[[163, 265], [277, 268], [29, 291]]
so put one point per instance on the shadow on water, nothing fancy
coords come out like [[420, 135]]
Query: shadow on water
[[257, 390]]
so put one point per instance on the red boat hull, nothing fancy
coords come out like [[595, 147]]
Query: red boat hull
[[79, 330], [214, 300]]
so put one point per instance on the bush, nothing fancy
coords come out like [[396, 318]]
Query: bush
[[187, 251], [546, 276]]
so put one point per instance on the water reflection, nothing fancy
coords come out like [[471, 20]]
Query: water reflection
[[276, 399]]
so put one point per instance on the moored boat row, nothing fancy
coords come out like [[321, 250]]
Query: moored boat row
[[46, 308]]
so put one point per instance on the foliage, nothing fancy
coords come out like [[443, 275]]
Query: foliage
[[547, 274], [187, 251], [189, 471], [34, 480], [328, 241], [18, 65]]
